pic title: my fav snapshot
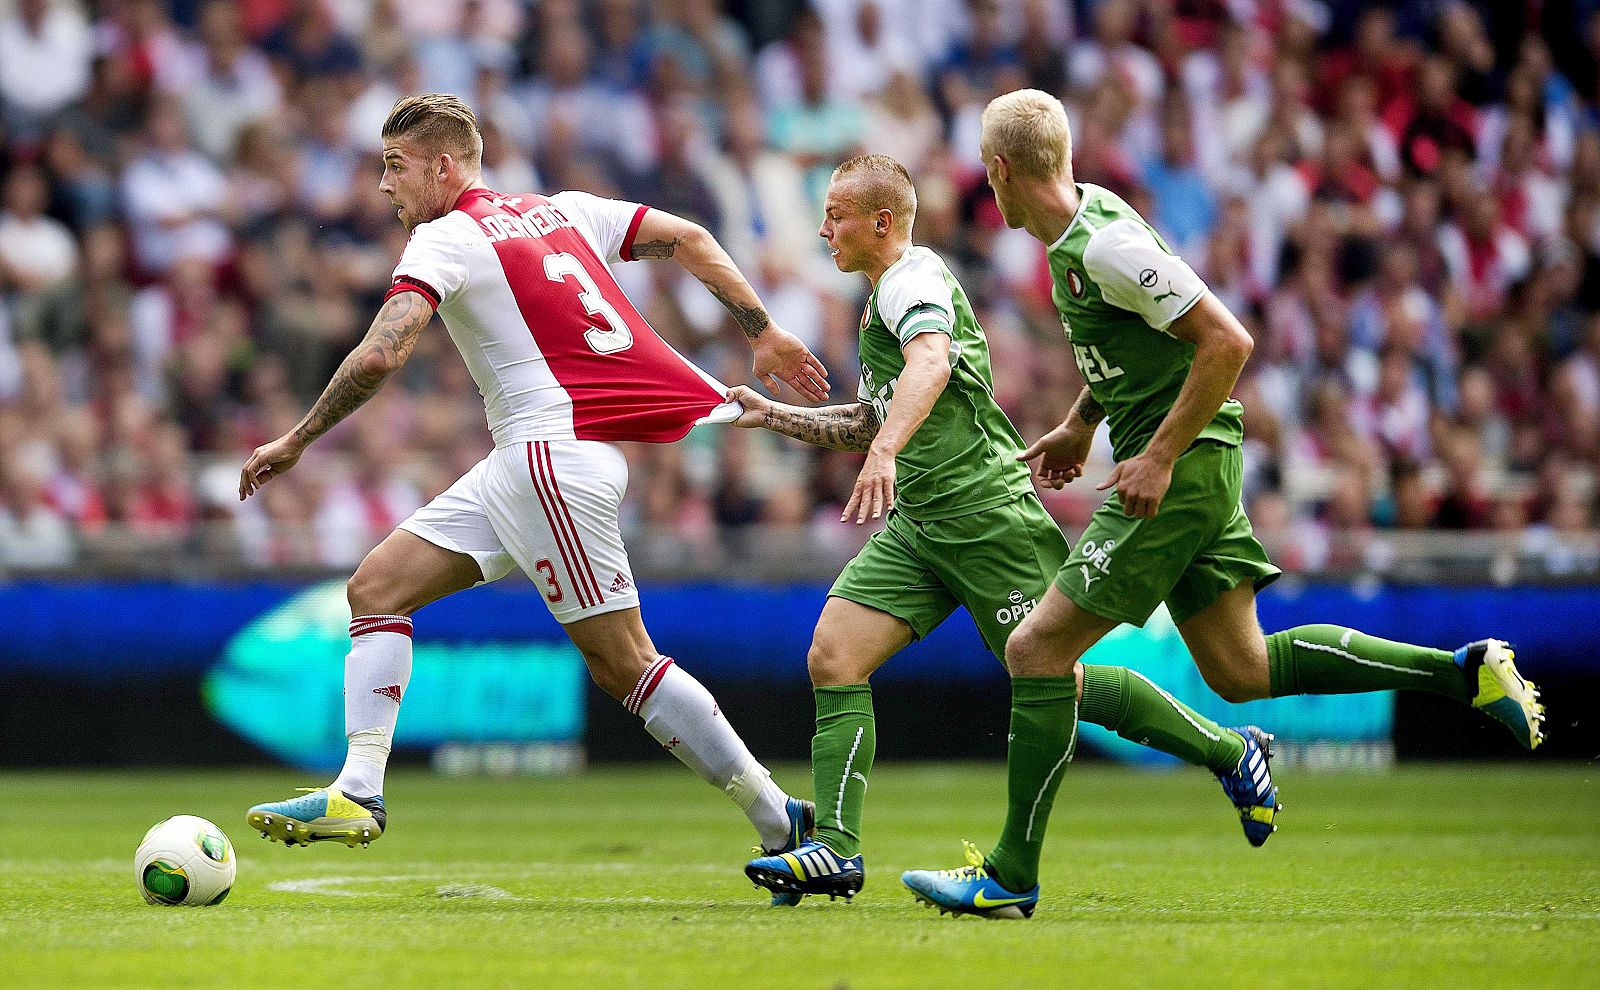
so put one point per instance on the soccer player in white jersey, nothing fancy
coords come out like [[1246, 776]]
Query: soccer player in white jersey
[[566, 366]]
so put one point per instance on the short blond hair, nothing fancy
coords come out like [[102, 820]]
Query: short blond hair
[[439, 122], [1028, 128], [881, 183]]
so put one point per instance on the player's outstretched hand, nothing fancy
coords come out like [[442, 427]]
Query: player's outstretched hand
[[782, 357], [1141, 484], [267, 462], [755, 406], [1064, 451], [874, 491]]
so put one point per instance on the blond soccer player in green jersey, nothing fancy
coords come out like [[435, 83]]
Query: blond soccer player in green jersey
[[965, 528], [1160, 355]]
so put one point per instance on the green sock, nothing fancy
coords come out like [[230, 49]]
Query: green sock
[[1044, 727], [841, 760], [1128, 704], [1325, 659]]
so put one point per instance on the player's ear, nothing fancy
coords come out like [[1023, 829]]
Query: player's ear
[[446, 165], [1002, 168], [883, 223]]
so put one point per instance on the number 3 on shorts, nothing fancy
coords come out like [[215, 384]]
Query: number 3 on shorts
[[559, 268], [552, 591]]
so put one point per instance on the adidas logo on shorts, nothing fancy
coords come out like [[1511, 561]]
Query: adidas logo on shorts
[[620, 584]]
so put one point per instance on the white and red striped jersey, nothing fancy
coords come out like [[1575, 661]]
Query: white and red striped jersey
[[556, 348]]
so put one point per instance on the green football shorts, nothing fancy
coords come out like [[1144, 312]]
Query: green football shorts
[[997, 562], [1198, 546]]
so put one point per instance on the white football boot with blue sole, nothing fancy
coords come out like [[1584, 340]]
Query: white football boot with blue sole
[[321, 814]]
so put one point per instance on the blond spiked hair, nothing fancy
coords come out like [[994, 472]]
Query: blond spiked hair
[[439, 122], [881, 183], [1028, 128]]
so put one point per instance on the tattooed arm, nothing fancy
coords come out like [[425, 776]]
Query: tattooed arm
[[844, 427], [380, 354], [1088, 411], [779, 355]]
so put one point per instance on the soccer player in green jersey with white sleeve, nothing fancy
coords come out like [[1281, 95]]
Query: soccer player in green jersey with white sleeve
[[964, 528], [1160, 355]]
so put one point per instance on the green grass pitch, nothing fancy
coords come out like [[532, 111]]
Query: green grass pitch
[[1463, 876]]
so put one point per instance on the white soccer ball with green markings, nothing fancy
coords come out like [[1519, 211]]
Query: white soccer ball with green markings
[[185, 861]]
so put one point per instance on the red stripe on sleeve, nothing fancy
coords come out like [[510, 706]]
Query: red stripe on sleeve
[[626, 254], [405, 283]]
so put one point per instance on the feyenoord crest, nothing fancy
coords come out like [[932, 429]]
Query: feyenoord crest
[[1074, 284]]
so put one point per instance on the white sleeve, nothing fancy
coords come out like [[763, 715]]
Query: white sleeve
[[914, 297], [609, 224], [1134, 273], [434, 263]]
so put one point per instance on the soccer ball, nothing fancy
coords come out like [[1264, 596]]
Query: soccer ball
[[185, 860]]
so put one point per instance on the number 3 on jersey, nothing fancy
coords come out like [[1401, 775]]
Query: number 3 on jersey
[[559, 268]]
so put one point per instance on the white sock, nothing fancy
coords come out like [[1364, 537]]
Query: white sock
[[680, 714], [375, 677]]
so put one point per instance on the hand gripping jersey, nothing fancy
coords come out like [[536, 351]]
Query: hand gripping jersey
[[557, 350]]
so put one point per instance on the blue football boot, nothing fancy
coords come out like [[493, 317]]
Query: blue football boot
[[809, 868], [319, 814], [970, 889], [802, 823], [1249, 785], [1502, 692]]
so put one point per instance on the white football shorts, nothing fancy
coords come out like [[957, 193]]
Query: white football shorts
[[549, 507]]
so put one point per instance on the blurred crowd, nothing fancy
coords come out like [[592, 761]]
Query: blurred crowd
[[1400, 200]]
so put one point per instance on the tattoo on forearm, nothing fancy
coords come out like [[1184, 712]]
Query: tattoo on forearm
[[1088, 410], [385, 348], [835, 427], [656, 249], [751, 319]]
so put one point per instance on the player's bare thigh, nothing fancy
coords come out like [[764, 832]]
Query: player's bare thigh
[[1228, 647], [851, 641], [1050, 639], [616, 647], [406, 572]]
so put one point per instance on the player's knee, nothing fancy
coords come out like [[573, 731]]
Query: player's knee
[[1029, 654], [617, 674], [371, 593], [831, 665]]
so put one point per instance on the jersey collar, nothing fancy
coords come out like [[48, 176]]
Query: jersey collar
[[903, 256], [1083, 204], [469, 193]]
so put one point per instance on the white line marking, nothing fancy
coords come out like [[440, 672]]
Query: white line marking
[[1351, 656], [1177, 707], [845, 779], [334, 886], [1071, 742]]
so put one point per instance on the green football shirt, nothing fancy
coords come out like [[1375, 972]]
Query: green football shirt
[[1118, 287], [963, 457]]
